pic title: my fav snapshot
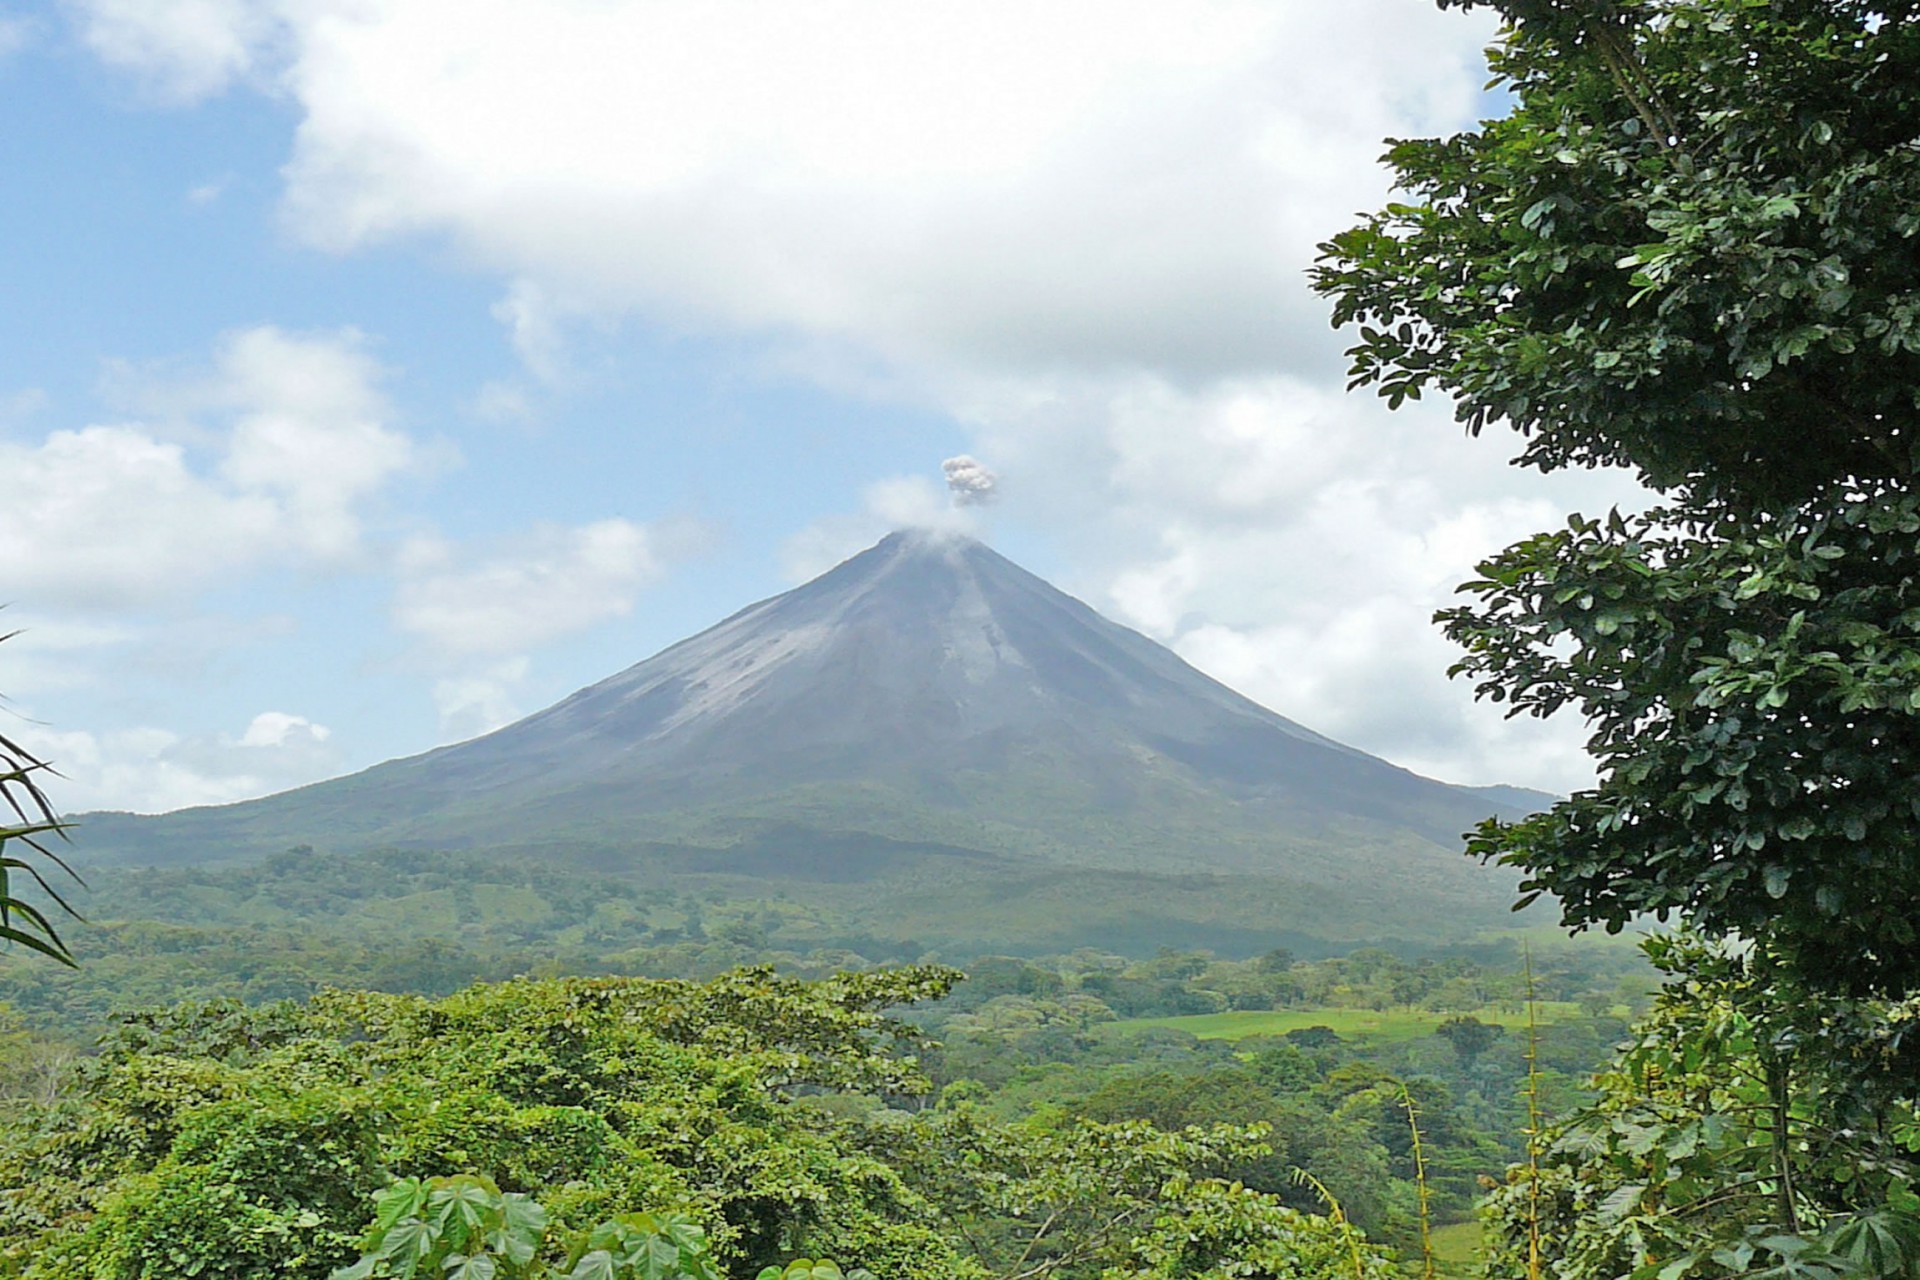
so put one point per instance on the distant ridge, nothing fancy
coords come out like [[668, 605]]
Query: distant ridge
[[925, 709]]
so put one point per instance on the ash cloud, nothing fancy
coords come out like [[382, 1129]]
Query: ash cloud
[[970, 483]]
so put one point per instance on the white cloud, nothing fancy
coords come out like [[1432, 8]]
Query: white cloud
[[987, 185], [278, 729], [105, 517], [206, 193], [309, 429], [18, 406], [124, 515], [504, 404], [123, 658], [479, 700], [16, 34], [555, 582], [182, 50], [478, 616], [533, 324], [899, 502], [43, 655], [264, 460], [149, 770]]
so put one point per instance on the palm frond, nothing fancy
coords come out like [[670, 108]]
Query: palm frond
[[34, 819]]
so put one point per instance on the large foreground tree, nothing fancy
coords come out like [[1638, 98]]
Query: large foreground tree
[[1692, 249]]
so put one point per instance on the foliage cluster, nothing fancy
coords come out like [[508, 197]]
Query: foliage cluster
[[464, 1227], [1023, 1041], [779, 1117], [1746, 1129], [1688, 249], [1752, 691]]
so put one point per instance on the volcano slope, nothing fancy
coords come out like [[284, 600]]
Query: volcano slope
[[939, 743]]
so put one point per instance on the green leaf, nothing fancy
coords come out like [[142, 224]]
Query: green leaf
[[596, 1265], [1881, 1243], [1620, 1202]]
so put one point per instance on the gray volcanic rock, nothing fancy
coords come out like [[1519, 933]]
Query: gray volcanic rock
[[920, 657], [927, 697]]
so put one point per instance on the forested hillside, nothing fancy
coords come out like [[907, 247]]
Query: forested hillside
[[431, 922]]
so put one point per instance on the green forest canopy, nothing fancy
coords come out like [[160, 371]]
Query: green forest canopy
[[218, 1140]]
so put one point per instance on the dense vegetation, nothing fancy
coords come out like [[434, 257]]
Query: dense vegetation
[[1241, 1070], [432, 924], [566, 1123], [1692, 250]]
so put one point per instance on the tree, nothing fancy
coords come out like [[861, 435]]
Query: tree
[[1469, 1036], [1688, 249], [218, 1140], [1692, 249], [1039, 1201], [32, 822]]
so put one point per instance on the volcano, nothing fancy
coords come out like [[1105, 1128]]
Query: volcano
[[926, 704]]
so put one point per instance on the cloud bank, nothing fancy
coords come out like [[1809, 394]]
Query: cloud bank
[[290, 439], [147, 770], [982, 186], [479, 616]]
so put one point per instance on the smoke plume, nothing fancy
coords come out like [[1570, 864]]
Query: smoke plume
[[971, 484]]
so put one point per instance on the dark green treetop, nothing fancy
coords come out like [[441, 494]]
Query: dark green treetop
[[1754, 696]]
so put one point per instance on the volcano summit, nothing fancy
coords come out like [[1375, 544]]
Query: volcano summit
[[925, 714]]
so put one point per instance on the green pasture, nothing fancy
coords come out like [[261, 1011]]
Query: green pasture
[[1379, 1025], [1458, 1249]]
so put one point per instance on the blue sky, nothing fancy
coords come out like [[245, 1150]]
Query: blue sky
[[373, 373]]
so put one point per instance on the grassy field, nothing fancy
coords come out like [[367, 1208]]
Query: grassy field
[[1458, 1249], [1385, 1026]]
